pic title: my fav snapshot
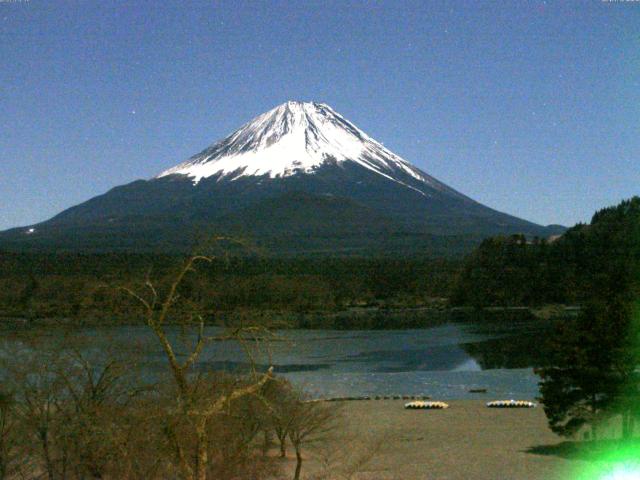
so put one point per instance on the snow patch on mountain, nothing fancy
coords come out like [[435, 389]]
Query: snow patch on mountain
[[293, 138]]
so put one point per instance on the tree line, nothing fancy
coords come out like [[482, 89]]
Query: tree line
[[83, 287], [591, 373], [515, 270]]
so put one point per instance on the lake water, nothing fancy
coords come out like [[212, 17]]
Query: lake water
[[443, 362]]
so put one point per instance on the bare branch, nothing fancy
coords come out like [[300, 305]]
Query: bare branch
[[171, 296], [200, 343], [139, 298], [219, 404], [150, 286]]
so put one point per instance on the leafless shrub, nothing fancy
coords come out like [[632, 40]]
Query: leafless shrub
[[11, 458], [71, 407], [346, 457], [311, 424]]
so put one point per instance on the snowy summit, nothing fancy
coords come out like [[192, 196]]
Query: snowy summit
[[295, 137]]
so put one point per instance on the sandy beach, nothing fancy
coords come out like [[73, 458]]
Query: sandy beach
[[466, 441]]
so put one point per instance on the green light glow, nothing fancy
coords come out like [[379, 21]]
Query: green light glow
[[623, 472], [610, 460], [618, 462], [612, 457]]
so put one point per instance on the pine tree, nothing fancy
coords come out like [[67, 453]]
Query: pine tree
[[580, 386], [592, 375]]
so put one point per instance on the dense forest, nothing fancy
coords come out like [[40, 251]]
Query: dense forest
[[514, 270], [88, 287]]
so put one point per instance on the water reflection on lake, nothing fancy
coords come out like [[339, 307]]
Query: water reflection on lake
[[445, 361]]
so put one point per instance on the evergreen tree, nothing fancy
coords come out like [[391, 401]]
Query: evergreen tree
[[580, 385], [593, 374]]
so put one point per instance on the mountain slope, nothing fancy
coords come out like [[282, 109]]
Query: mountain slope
[[301, 178]]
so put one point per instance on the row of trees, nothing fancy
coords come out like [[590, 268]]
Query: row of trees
[[71, 410]]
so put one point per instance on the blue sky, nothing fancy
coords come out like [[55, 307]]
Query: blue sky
[[532, 108]]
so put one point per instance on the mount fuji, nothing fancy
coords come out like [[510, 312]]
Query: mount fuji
[[298, 179]]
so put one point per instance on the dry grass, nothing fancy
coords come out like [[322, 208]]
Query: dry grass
[[466, 441]]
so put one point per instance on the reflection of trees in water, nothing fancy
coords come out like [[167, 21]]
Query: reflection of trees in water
[[524, 350], [431, 358], [522, 338]]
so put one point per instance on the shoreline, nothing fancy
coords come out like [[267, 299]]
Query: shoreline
[[349, 319]]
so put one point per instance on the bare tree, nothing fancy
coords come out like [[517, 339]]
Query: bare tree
[[337, 462], [70, 406], [38, 401], [97, 394], [196, 407], [280, 399], [139, 443], [11, 458], [311, 423]]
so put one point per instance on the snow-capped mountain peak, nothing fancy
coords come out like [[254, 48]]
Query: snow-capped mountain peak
[[293, 138], [299, 179]]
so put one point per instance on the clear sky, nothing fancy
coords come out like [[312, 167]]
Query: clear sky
[[532, 108]]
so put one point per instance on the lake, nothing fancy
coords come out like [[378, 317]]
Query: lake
[[444, 361]]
